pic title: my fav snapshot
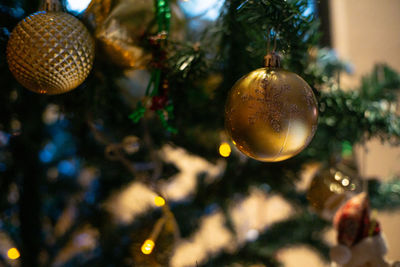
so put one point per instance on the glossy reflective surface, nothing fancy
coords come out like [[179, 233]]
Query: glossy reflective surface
[[271, 114], [50, 52]]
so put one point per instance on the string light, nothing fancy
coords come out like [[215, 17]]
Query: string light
[[159, 201], [338, 176], [148, 246], [225, 150], [13, 253], [345, 182]]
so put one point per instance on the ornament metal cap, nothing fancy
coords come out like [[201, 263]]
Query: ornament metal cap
[[272, 60], [52, 6]]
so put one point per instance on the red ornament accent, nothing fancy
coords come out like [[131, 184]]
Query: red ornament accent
[[159, 102], [353, 221]]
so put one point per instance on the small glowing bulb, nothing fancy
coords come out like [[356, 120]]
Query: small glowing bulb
[[338, 176], [225, 150], [345, 182], [147, 246], [13, 253], [159, 201]]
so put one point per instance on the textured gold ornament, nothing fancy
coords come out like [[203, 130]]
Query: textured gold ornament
[[330, 188], [271, 114], [50, 52]]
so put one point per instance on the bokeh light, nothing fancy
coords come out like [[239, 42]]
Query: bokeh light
[[206, 9], [148, 246], [77, 5], [13, 253], [345, 182], [159, 201], [225, 150], [67, 167]]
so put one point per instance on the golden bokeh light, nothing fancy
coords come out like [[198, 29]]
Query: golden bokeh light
[[345, 181], [13, 253], [148, 246], [159, 201], [225, 150]]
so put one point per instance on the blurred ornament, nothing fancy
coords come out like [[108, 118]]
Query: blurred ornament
[[97, 12], [271, 114], [120, 47], [353, 221], [50, 52], [331, 187], [360, 241], [124, 26]]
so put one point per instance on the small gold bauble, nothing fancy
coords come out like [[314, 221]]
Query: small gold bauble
[[50, 52], [330, 188], [271, 114]]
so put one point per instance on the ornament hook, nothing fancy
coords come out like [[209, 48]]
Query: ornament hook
[[52, 5]]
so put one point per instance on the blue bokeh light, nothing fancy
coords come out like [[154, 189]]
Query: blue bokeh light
[[77, 5], [204, 9], [67, 168], [310, 8], [46, 155]]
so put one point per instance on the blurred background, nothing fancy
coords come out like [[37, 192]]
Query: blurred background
[[84, 184]]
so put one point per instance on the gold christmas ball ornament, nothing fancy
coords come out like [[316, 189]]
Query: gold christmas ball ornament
[[124, 26], [50, 52], [330, 188], [271, 114]]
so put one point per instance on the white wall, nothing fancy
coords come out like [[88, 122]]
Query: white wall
[[366, 32]]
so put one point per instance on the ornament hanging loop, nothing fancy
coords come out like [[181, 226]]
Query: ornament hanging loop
[[272, 60], [52, 6], [275, 37]]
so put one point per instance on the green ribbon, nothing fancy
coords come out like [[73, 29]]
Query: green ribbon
[[163, 17]]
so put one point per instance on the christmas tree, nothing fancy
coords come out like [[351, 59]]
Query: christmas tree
[[120, 157]]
